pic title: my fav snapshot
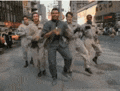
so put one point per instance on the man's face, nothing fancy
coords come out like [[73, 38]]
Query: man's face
[[25, 20], [35, 18], [89, 17], [55, 14], [69, 18]]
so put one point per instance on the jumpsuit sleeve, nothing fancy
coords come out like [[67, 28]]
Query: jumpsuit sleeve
[[29, 36], [21, 31], [67, 34]]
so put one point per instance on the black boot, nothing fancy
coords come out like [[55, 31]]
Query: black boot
[[44, 72], [40, 73], [67, 71], [31, 61], [54, 82], [95, 60], [26, 64], [88, 70]]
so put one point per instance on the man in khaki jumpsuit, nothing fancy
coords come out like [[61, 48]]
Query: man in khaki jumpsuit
[[22, 31], [37, 44], [91, 38], [76, 45]]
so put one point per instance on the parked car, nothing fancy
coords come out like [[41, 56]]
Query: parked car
[[2, 41]]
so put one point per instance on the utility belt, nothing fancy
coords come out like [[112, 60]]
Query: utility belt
[[34, 44]]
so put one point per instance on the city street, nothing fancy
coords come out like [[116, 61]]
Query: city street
[[105, 77], [30, 19]]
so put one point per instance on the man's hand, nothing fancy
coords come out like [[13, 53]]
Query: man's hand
[[56, 31], [37, 38], [48, 34]]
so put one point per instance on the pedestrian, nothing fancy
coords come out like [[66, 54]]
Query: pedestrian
[[91, 38], [37, 44], [8, 37], [117, 26], [75, 43], [9, 40], [22, 31], [112, 31], [54, 30]]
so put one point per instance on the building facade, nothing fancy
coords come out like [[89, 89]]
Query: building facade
[[31, 6], [43, 13], [107, 12], [73, 9], [11, 13], [75, 6], [90, 8], [103, 12]]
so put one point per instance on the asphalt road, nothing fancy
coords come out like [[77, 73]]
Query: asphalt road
[[105, 77]]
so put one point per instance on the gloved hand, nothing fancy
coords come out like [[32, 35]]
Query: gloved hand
[[5, 44], [77, 30]]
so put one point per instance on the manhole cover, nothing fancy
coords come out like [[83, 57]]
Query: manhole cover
[[112, 82], [107, 67]]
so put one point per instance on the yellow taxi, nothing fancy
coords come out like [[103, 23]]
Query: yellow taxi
[[2, 40], [15, 36]]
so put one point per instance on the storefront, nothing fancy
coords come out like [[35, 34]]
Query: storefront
[[107, 12], [103, 12]]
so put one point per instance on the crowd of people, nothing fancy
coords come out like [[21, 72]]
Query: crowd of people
[[110, 29], [67, 38]]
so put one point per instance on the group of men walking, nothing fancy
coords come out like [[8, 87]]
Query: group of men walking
[[68, 38]]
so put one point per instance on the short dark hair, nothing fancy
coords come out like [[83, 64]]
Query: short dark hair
[[55, 9], [88, 15], [25, 16], [69, 13], [34, 13]]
